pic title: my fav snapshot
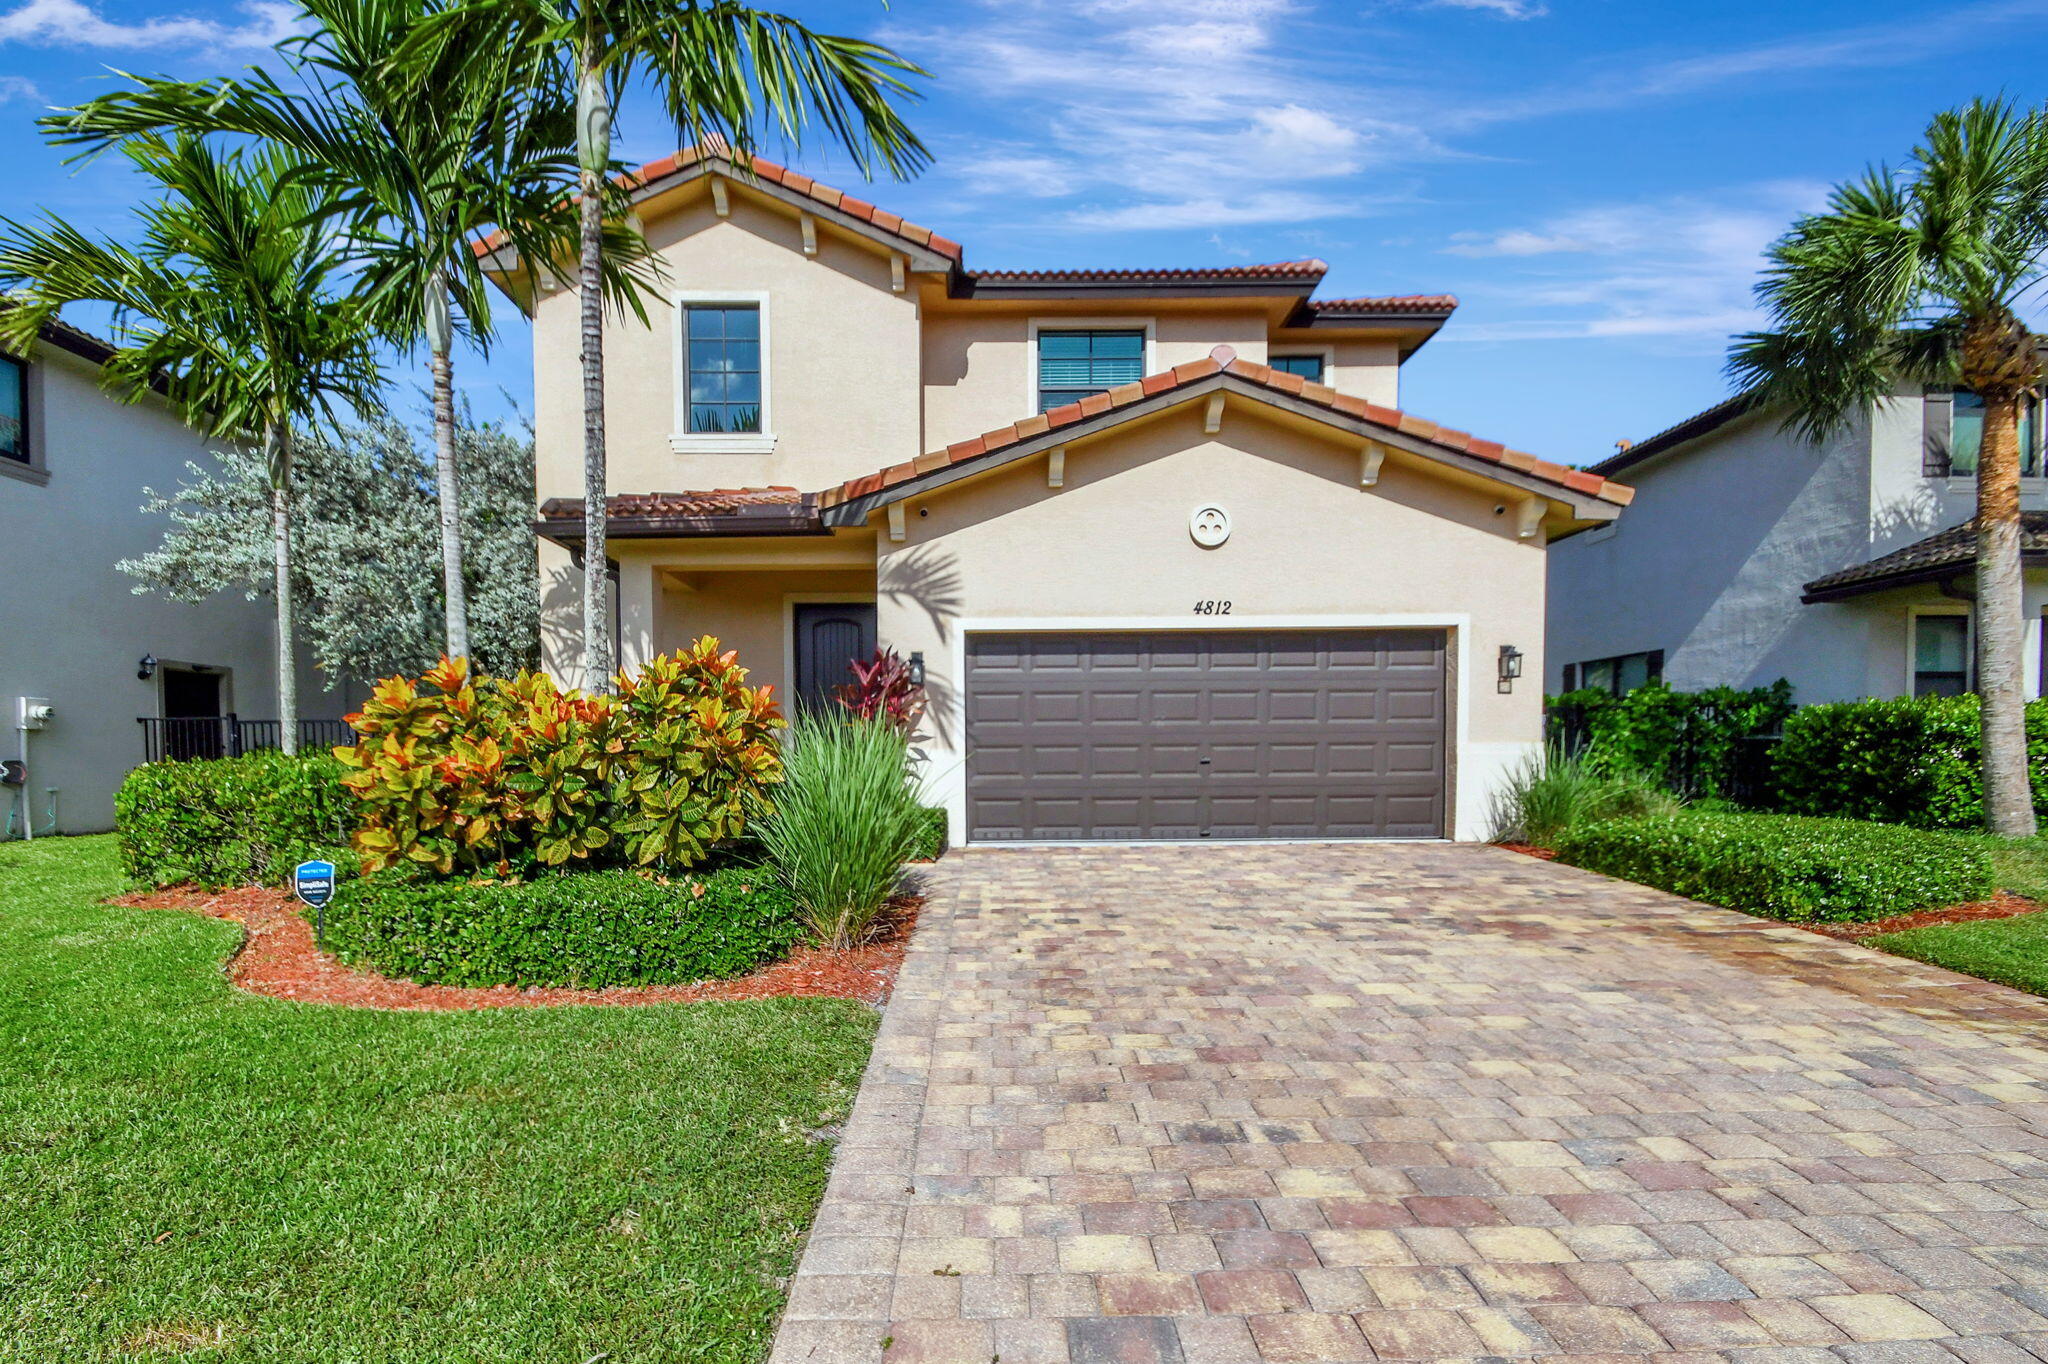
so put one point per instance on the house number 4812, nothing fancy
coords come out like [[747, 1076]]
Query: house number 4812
[[1212, 608]]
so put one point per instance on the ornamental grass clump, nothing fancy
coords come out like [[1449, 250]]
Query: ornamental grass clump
[[846, 819], [1554, 792]]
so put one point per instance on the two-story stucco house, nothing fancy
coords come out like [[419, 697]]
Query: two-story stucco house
[[1173, 562], [1751, 554], [74, 463]]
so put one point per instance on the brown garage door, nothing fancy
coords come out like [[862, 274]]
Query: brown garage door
[[1215, 734]]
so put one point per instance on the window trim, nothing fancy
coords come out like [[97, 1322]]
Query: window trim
[[1085, 324], [1934, 459], [1958, 612], [1574, 674], [1327, 354], [682, 439], [33, 469]]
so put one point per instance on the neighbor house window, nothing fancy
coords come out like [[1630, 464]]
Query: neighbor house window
[[1941, 655], [1074, 364], [13, 410], [722, 350], [1309, 367], [1618, 675], [1954, 433]]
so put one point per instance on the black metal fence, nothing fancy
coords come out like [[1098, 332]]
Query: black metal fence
[[184, 738], [1698, 758]]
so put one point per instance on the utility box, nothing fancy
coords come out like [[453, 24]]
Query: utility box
[[34, 712]]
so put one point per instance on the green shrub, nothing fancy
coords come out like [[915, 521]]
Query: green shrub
[[846, 819], [232, 821], [1554, 791], [1913, 760], [588, 929], [931, 839], [1691, 743], [1785, 867]]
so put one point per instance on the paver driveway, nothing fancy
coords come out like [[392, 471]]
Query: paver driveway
[[1420, 1102]]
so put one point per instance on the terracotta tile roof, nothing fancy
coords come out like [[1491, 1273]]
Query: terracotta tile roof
[[1310, 269], [1942, 554], [777, 174], [1224, 360], [703, 502], [1391, 303]]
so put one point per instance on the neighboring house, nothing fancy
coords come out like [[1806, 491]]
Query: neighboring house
[[74, 461], [1172, 562], [1751, 554]]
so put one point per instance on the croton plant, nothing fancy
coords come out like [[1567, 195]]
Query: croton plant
[[495, 775]]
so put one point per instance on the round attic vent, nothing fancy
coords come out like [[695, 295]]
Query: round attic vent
[[1209, 525]]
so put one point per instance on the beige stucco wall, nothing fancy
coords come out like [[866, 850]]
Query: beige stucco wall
[[843, 361], [1308, 546], [979, 366]]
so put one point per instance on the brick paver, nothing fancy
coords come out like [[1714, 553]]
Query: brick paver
[[1225, 1105]]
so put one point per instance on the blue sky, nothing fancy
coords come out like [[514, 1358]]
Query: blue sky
[[1593, 178]]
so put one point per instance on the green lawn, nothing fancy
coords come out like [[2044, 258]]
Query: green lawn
[[188, 1172], [2021, 864], [2009, 951]]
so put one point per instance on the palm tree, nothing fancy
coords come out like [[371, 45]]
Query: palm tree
[[721, 69], [428, 125], [227, 306], [1918, 275]]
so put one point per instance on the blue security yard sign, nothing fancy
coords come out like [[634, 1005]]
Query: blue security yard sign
[[314, 883]]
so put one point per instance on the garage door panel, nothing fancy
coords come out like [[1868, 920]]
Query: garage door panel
[[1305, 734]]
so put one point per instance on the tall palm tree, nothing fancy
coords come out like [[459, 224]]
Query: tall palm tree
[[722, 70], [228, 305], [1918, 275], [429, 125]]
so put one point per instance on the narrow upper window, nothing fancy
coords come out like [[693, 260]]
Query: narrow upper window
[[13, 410], [1941, 655], [1309, 367], [1074, 364], [723, 344], [1953, 451]]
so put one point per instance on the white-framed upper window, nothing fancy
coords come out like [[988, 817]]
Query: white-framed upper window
[[1312, 365], [1074, 357], [723, 396], [20, 456]]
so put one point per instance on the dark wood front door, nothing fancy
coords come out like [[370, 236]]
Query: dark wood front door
[[830, 636]]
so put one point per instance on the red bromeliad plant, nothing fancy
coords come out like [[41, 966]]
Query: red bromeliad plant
[[882, 689], [693, 754]]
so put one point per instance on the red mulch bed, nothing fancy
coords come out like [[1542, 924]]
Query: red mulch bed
[[278, 958], [2002, 905], [1530, 850]]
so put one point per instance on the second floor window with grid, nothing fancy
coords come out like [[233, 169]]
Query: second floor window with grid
[[1074, 364], [723, 344], [13, 410], [1309, 367]]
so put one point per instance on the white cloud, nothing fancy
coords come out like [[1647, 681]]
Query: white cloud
[[72, 23], [19, 87], [1506, 9], [1159, 114], [1679, 267]]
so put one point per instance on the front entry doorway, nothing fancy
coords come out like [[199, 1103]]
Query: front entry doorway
[[830, 637]]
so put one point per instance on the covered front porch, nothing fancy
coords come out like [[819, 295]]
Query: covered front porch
[[752, 567]]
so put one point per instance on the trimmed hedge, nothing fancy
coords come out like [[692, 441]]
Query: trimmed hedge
[[1912, 760], [1786, 867], [931, 840], [1697, 744], [233, 821], [587, 929]]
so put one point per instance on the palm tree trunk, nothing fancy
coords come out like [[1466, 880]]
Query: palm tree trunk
[[280, 468], [2001, 624], [594, 153], [440, 341]]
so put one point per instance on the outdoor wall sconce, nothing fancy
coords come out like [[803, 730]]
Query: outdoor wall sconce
[[916, 668], [145, 667], [1510, 666]]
